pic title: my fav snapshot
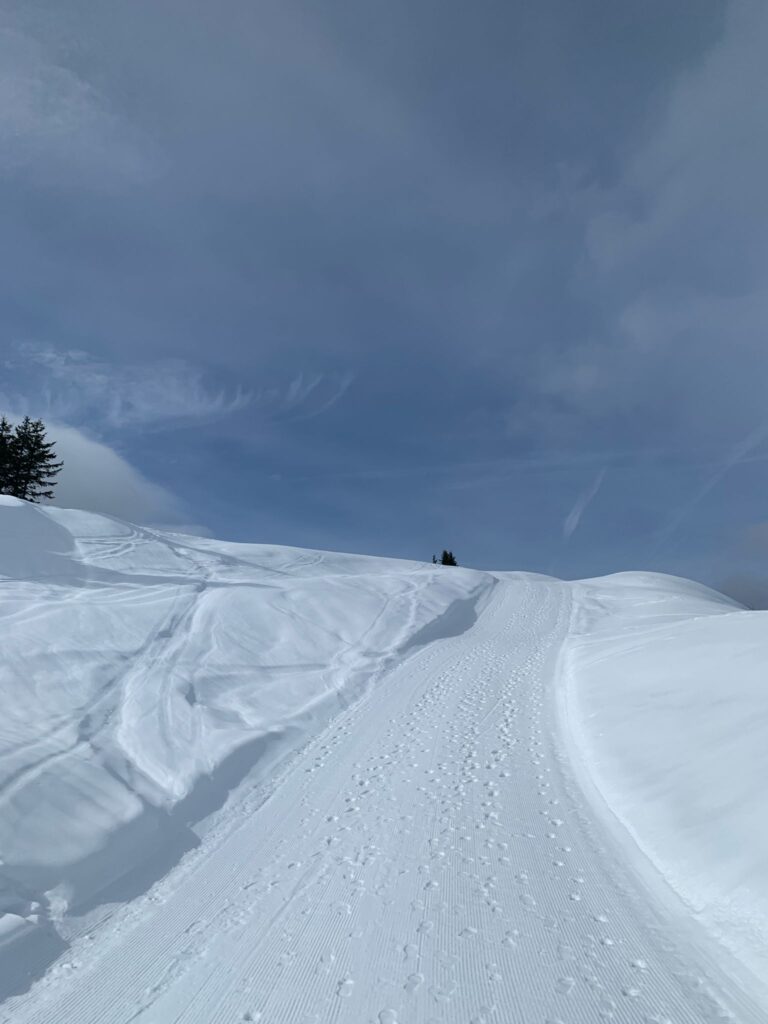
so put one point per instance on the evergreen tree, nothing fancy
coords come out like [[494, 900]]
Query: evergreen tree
[[448, 559], [6, 443], [32, 466]]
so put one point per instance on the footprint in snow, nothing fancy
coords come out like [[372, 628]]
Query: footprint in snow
[[413, 982], [345, 988]]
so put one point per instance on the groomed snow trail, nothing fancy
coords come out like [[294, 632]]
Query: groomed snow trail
[[427, 858]]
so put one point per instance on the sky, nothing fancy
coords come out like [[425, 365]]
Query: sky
[[396, 277]]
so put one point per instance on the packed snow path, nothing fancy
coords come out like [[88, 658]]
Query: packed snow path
[[428, 858]]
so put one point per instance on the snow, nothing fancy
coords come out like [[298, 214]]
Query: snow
[[135, 662], [669, 700], [246, 782]]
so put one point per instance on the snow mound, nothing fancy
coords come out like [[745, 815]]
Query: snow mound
[[667, 698], [136, 663]]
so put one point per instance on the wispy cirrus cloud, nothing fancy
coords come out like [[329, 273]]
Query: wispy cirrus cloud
[[72, 387], [92, 407], [739, 454], [307, 395], [573, 518]]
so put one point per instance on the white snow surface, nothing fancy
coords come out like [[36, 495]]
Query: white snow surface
[[668, 701], [134, 662], [254, 783]]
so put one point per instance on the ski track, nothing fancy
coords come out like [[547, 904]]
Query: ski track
[[427, 859]]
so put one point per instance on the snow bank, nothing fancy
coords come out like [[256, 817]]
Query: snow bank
[[668, 698], [133, 663]]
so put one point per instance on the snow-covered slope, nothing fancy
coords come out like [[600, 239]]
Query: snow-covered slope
[[249, 783], [133, 663], [668, 701]]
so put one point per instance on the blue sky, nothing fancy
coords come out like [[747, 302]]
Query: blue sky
[[389, 278]]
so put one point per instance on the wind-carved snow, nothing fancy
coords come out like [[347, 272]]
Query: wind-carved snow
[[135, 662], [422, 842]]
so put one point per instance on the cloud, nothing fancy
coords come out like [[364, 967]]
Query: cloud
[[334, 196], [706, 144], [53, 122], [71, 386], [675, 263], [739, 454], [96, 478], [76, 388], [309, 396], [573, 518]]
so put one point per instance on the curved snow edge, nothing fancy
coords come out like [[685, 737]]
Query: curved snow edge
[[607, 633]]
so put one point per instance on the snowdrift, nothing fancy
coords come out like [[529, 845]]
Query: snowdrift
[[667, 699], [142, 672]]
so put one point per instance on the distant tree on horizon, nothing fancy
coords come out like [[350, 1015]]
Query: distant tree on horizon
[[28, 465], [447, 558]]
